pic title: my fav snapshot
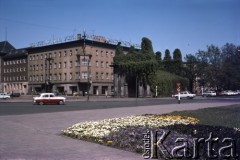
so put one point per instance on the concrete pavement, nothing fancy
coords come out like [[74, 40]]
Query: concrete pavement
[[37, 136]]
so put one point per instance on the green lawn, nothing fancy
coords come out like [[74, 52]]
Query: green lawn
[[228, 116]]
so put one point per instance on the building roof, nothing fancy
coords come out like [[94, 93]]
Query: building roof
[[17, 53], [5, 48]]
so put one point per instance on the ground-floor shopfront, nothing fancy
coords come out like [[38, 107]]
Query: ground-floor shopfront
[[15, 87], [96, 89]]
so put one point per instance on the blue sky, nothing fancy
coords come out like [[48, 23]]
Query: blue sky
[[189, 25]]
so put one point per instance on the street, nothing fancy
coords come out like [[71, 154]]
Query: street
[[18, 106], [37, 136]]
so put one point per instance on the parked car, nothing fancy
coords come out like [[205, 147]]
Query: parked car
[[4, 96], [14, 94], [229, 93], [185, 94], [48, 98], [209, 94]]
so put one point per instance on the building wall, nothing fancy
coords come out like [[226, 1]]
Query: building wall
[[68, 68], [14, 75]]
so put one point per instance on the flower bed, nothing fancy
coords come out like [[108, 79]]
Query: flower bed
[[127, 132]]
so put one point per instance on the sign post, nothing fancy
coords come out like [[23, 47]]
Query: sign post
[[179, 89], [156, 92]]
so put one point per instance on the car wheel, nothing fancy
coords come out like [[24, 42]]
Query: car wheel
[[41, 103], [61, 102]]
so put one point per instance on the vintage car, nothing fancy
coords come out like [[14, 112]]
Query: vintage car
[[48, 98], [209, 94], [185, 94], [4, 96]]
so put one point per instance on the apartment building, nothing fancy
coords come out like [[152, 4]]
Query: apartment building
[[72, 67], [14, 72], [5, 48]]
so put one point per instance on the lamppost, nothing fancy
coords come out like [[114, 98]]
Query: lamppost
[[47, 76], [88, 64]]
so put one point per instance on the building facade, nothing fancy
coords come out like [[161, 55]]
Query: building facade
[[14, 72], [75, 67]]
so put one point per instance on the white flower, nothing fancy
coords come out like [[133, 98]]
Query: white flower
[[99, 129]]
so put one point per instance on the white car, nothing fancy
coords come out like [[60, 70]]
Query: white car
[[49, 98], [229, 93], [4, 96], [209, 94], [185, 94]]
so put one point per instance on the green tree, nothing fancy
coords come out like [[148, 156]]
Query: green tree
[[230, 77], [158, 57], [167, 61], [137, 65], [177, 62], [191, 70]]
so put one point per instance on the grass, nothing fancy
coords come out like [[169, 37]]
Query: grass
[[218, 116]]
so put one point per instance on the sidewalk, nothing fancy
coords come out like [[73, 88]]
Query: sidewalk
[[37, 136]]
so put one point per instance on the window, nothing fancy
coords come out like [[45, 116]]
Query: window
[[70, 76], [107, 64], [41, 67], [70, 64], [36, 57], [59, 65], [76, 63], [55, 65], [65, 64], [41, 57], [55, 77], [112, 76], [84, 75], [65, 76], [102, 76], [70, 53], [30, 58], [37, 67], [65, 54], [107, 76], [77, 75], [112, 54], [96, 75], [96, 63], [37, 78], [41, 78], [33, 57], [54, 55], [76, 51], [59, 54], [59, 76], [96, 52], [84, 62], [102, 53], [106, 53], [102, 64], [50, 55]]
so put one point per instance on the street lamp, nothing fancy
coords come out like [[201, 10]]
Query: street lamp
[[88, 64], [47, 78]]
